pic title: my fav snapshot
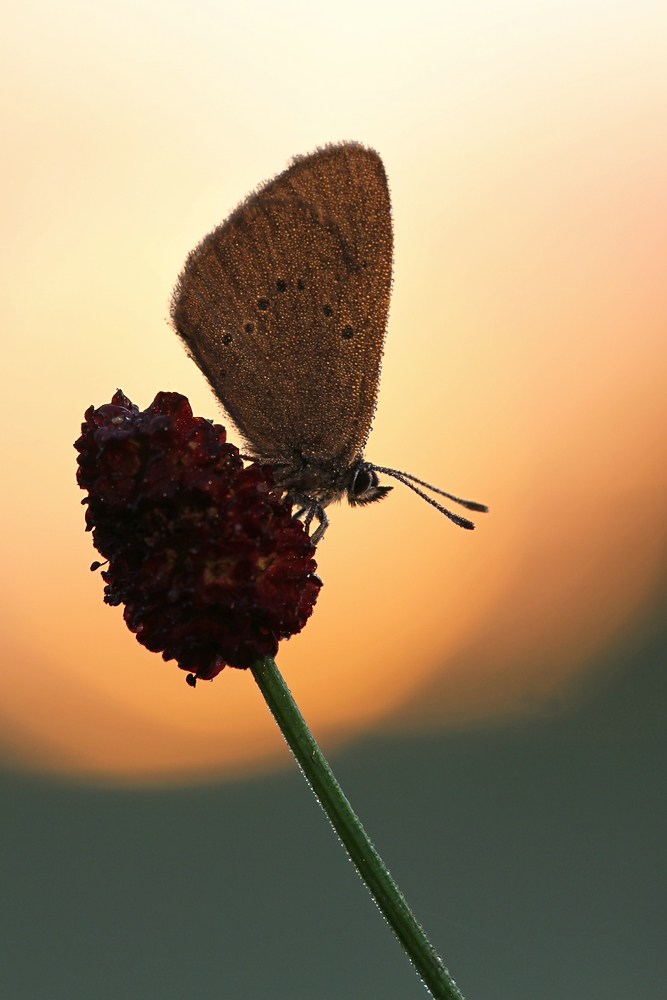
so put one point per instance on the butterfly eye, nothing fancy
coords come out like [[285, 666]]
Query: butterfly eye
[[363, 481]]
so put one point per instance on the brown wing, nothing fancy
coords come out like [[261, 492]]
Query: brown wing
[[284, 306]]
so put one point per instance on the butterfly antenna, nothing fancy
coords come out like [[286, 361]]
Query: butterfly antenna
[[462, 522], [468, 504]]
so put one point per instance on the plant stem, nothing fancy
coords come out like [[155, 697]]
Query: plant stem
[[367, 861]]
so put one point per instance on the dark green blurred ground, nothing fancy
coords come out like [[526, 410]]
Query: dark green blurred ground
[[534, 855]]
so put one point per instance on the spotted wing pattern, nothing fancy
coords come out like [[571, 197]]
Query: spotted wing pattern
[[284, 306]]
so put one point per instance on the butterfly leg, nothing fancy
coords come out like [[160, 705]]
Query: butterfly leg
[[303, 504], [313, 511], [319, 512]]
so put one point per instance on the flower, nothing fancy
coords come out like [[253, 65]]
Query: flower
[[204, 553]]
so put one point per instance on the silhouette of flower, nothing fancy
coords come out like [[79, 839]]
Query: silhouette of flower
[[204, 553]]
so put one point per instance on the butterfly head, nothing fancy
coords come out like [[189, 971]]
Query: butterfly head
[[364, 486]]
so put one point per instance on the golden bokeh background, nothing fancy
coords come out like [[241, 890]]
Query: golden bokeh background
[[525, 363]]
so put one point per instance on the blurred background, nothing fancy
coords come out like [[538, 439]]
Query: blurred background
[[494, 702]]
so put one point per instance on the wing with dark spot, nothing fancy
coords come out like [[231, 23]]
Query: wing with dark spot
[[284, 306]]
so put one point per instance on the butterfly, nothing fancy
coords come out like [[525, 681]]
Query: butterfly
[[284, 308]]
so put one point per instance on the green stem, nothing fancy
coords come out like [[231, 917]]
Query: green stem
[[367, 861]]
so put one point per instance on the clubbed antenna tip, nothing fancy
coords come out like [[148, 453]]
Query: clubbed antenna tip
[[409, 480]]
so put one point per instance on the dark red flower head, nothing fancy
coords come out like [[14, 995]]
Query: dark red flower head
[[205, 555]]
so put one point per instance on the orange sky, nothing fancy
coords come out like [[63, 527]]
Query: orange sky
[[525, 362]]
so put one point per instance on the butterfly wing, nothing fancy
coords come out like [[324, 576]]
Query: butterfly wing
[[284, 306]]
